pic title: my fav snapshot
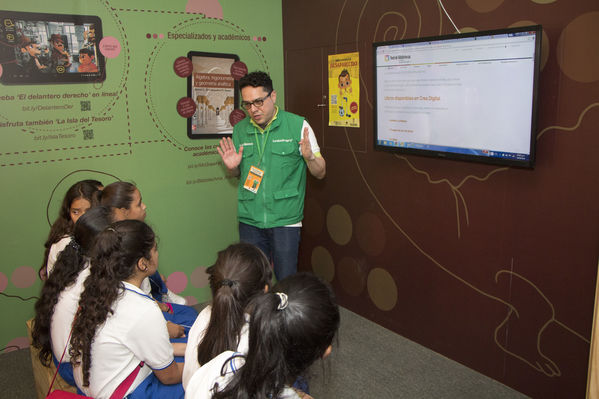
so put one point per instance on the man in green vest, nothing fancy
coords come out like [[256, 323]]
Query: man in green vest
[[270, 152]]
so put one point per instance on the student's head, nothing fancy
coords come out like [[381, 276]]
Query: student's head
[[86, 56], [258, 97], [123, 250], [240, 272], [291, 327], [89, 226], [79, 199], [125, 201], [69, 264], [344, 79], [242, 269]]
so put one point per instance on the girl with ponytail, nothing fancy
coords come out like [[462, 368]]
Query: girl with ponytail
[[56, 307], [118, 327], [291, 327], [125, 201], [241, 271]]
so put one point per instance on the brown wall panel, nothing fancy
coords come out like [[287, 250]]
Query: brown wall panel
[[493, 267]]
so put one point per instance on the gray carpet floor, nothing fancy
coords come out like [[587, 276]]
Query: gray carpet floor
[[369, 361], [373, 362]]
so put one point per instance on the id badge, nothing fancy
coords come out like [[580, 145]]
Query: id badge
[[253, 180]]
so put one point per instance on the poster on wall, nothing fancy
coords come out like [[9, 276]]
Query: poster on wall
[[344, 90], [215, 93], [50, 48]]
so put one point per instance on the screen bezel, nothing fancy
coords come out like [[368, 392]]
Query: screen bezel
[[190, 81], [524, 163], [59, 78]]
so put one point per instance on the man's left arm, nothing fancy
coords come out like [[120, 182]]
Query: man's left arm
[[315, 162]]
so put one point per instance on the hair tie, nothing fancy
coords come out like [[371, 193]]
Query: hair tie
[[284, 301], [75, 245], [111, 229], [227, 282]]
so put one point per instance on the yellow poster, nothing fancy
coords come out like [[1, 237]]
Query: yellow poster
[[344, 90]]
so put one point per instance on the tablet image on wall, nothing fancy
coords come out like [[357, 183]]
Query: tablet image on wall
[[38, 48], [470, 96], [215, 93]]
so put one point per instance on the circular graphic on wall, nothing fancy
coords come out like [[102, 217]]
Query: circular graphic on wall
[[236, 116], [110, 47], [186, 107], [239, 70], [183, 67]]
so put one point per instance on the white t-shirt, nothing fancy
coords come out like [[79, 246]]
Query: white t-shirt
[[55, 250], [195, 337], [135, 332], [203, 380], [64, 313], [315, 150], [311, 137]]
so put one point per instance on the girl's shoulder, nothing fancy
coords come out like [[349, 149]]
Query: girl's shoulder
[[63, 242], [219, 371]]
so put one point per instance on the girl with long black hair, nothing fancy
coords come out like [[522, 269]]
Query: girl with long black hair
[[118, 328], [291, 327], [125, 201], [56, 307]]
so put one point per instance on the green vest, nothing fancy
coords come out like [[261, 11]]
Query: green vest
[[280, 197]]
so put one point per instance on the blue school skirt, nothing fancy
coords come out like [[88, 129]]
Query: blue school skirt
[[151, 388]]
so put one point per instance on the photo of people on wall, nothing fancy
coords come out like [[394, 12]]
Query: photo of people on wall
[[47, 48]]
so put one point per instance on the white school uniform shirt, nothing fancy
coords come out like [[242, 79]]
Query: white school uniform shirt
[[55, 250], [202, 382], [195, 337], [135, 332], [64, 313]]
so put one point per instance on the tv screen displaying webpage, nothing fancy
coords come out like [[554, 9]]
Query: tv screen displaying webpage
[[467, 96]]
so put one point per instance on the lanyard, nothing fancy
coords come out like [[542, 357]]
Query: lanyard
[[264, 141], [139, 293]]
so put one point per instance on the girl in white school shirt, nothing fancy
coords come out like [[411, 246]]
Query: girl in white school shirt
[[291, 327], [125, 201], [59, 298], [240, 272], [118, 326]]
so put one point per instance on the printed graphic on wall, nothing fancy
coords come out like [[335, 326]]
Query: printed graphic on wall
[[50, 48], [344, 90], [214, 91]]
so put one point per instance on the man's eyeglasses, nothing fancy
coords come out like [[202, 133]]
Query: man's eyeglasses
[[257, 102]]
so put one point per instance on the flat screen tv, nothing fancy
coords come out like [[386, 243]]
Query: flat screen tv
[[469, 96]]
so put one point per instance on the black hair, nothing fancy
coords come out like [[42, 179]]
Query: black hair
[[117, 195], [256, 79], [240, 272], [291, 327], [69, 264], [116, 254], [63, 225]]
